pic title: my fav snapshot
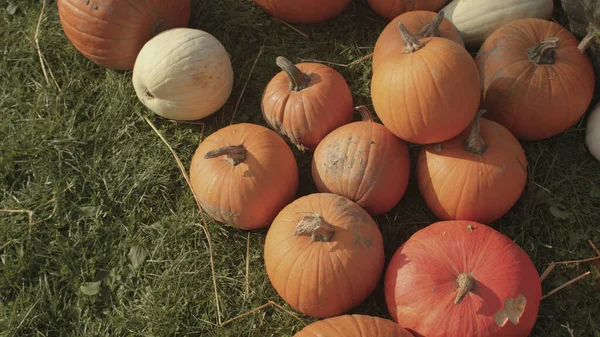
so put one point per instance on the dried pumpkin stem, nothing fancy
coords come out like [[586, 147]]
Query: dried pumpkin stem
[[316, 226], [364, 113], [411, 43], [587, 41], [466, 283], [233, 154], [433, 27], [544, 52], [298, 79], [475, 143]]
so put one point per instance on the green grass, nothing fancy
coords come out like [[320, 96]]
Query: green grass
[[99, 182]]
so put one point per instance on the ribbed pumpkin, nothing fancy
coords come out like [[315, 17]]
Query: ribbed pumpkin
[[477, 176], [390, 9], [303, 11], [477, 19], [243, 175], [535, 81], [353, 326], [428, 92], [324, 254], [305, 102], [111, 33], [459, 279], [421, 24], [183, 74], [363, 162]]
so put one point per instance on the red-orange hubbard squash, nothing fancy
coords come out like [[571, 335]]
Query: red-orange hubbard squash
[[462, 278], [324, 254], [243, 175], [305, 102], [111, 33], [477, 176], [535, 80], [363, 162], [427, 92], [421, 24]]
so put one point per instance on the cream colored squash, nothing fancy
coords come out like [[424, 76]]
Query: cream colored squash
[[477, 19], [592, 132], [183, 74]]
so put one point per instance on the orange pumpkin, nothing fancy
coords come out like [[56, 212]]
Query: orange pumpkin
[[243, 175], [305, 102], [111, 33], [363, 162], [477, 176], [324, 254], [462, 279], [535, 81], [428, 92], [303, 11], [390, 9], [354, 326], [421, 24]]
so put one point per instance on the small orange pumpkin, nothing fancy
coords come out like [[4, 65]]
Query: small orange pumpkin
[[476, 176], [303, 11], [390, 9], [428, 92], [354, 326], [243, 175], [363, 162], [535, 81], [324, 254], [111, 33], [305, 102], [421, 24]]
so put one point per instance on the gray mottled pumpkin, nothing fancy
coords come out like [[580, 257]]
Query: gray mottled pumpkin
[[584, 22]]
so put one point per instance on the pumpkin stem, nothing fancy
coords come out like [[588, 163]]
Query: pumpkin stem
[[316, 226], [433, 27], [411, 43], [543, 52], [475, 143], [233, 154], [587, 41], [364, 113], [465, 282], [298, 79]]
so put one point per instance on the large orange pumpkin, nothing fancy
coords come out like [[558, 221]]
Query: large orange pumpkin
[[428, 92], [324, 254], [535, 80], [421, 24], [353, 326], [112, 32], [390, 9], [303, 11], [478, 175], [243, 175], [461, 278], [363, 162], [305, 102]]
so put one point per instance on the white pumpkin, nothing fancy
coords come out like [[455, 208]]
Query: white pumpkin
[[183, 74], [477, 19], [592, 132]]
